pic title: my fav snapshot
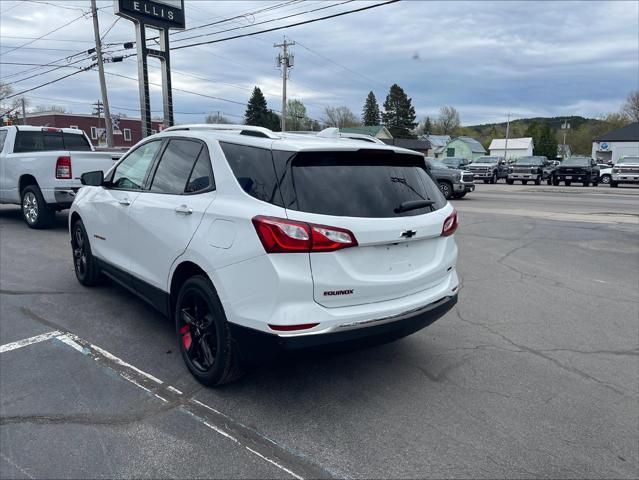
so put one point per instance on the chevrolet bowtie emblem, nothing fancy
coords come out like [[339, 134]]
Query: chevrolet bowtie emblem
[[408, 233]]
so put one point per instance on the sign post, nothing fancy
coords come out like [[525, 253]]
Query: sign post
[[161, 15]]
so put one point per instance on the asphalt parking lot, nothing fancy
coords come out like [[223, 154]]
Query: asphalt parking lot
[[535, 373]]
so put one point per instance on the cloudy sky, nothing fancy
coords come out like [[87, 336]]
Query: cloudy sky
[[484, 58]]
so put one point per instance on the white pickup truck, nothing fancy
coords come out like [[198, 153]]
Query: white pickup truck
[[40, 169]]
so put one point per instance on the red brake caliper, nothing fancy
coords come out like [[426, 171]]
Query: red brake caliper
[[186, 336]]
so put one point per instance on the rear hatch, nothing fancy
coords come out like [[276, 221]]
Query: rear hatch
[[398, 253]]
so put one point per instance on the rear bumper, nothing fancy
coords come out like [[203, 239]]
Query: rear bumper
[[376, 331]]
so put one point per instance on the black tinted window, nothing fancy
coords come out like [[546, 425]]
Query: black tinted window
[[76, 142], [201, 177], [175, 166], [359, 184], [253, 169]]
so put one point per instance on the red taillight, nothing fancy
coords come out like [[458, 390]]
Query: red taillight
[[450, 224], [291, 328], [63, 168], [279, 235]]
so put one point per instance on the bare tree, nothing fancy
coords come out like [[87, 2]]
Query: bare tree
[[49, 108], [216, 118], [448, 120], [340, 117], [631, 107]]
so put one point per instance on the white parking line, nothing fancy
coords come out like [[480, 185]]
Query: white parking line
[[7, 347], [137, 377]]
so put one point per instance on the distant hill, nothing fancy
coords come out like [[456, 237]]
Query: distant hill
[[579, 136]]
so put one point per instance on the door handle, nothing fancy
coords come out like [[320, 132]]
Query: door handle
[[124, 202], [183, 210]]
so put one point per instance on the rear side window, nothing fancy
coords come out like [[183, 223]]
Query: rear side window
[[175, 167], [76, 142], [358, 184], [42, 141], [3, 136], [201, 177], [254, 171]]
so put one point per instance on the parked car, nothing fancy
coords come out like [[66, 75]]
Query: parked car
[[626, 170], [525, 169], [457, 163], [577, 169], [453, 183], [40, 169], [488, 169], [251, 239], [605, 173]]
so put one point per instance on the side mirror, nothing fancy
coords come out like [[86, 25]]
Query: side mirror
[[610, 163], [93, 179]]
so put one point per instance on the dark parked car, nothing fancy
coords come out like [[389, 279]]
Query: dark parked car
[[454, 162], [453, 183], [489, 169], [577, 169], [529, 169]]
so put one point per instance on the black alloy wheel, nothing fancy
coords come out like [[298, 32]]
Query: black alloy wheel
[[203, 333], [84, 264], [446, 190]]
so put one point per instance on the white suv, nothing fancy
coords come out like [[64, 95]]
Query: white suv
[[249, 238]]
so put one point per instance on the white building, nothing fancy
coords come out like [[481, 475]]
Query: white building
[[517, 147], [618, 143]]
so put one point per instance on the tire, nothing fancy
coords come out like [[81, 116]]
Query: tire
[[84, 263], [606, 179], [614, 184], [567, 182], [446, 189], [555, 182], [509, 181], [486, 181], [35, 211], [203, 334], [493, 179], [524, 182], [538, 180], [595, 184], [586, 184], [459, 195]]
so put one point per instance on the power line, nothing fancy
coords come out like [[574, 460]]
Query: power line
[[43, 73], [46, 34], [49, 83], [265, 21], [327, 17]]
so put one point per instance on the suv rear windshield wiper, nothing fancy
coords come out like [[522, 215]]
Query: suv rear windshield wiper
[[413, 205]]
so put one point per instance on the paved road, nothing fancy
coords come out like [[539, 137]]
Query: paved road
[[535, 373]]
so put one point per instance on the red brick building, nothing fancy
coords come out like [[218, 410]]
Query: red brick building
[[129, 133]]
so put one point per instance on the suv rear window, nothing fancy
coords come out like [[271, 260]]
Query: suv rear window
[[41, 141], [253, 169], [366, 183]]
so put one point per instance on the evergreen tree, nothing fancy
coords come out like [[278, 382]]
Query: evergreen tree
[[257, 112], [370, 116], [428, 126], [547, 142], [399, 114], [534, 131]]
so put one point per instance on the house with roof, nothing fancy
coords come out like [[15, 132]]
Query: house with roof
[[622, 142], [377, 131], [464, 147], [437, 144], [517, 147], [419, 145]]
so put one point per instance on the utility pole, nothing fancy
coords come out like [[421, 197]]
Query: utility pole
[[98, 51], [285, 61], [564, 126], [24, 112], [507, 132]]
